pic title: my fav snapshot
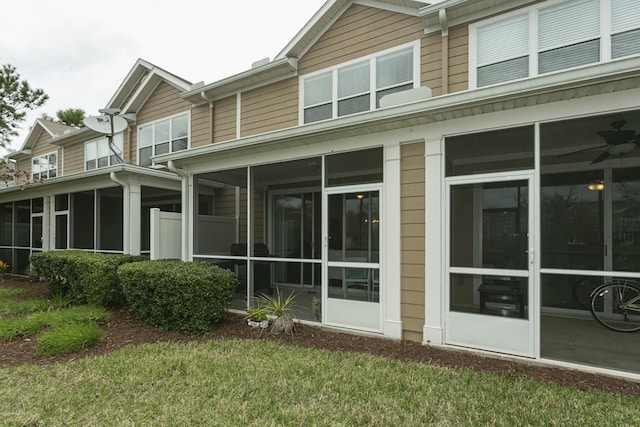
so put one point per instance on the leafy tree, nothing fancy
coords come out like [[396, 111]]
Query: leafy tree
[[11, 176], [71, 117], [16, 96]]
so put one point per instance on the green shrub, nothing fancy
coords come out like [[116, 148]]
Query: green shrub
[[85, 277], [184, 296], [53, 268], [68, 338]]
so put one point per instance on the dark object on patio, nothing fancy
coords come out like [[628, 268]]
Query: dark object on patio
[[505, 297]]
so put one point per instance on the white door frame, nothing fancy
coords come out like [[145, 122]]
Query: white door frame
[[505, 334], [363, 315]]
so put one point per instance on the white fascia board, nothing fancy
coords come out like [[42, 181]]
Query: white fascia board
[[315, 19]]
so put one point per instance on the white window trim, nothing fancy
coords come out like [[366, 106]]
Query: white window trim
[[97, 141], [50, 168], [372, 78], [153, 123], [531, 11]]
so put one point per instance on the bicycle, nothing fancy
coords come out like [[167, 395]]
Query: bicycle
[[616, 305]]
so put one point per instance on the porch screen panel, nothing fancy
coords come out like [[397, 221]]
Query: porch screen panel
[[572, 221], [22, 223], [82, 220], [36, 232], [496, 151], [356, 167], [110, 219], [61, 232], [6, 222], [626, 220], [489, 224]]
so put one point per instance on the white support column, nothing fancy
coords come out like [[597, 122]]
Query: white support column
[[133, 221], [434, 242], [47, 223], [390, 289], [188, 207]]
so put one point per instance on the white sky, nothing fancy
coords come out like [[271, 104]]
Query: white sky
[[79, 51]]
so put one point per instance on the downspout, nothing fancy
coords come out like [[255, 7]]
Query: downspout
[[185, 209], [126, 222], [203, 95], [444, 25]]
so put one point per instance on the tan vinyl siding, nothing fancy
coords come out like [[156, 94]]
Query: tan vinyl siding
[[73, 159], [431, 63], [412, 202], [200, 126], [24, 165], [360, 31], [224, 119], [42, 145], [128, 146], [459, 58], [165, 101], [270, 108]]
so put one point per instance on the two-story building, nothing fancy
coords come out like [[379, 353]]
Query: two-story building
[[461, 173], [90, 196]]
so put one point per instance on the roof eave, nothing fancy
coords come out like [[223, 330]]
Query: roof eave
[[456, 12], [268, 73]]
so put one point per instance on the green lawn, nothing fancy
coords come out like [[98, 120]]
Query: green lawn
[[251, 383], [263, 383]]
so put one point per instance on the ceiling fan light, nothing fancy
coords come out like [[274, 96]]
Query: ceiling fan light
[[622, 149], [596, 186]]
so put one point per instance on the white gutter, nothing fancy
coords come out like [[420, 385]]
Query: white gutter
[[126, 220], [186, 209]]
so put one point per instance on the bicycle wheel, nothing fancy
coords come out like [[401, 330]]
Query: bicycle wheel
[[616, 305]]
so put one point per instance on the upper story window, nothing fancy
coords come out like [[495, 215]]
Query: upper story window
[[162, 136], [552, 37], [98, 154], [45, 166], [358, 85]]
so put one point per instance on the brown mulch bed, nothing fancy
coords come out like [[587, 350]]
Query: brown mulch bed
[[123, 329]]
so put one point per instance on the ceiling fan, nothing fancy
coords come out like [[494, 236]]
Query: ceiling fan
[[619, 142]]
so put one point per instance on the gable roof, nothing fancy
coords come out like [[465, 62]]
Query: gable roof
[[330, 12], [130, 96], [140, 83], [49, 127], [285, 64]]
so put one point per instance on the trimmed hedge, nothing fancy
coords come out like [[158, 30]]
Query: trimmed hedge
[[83, 277], [183, 296]]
